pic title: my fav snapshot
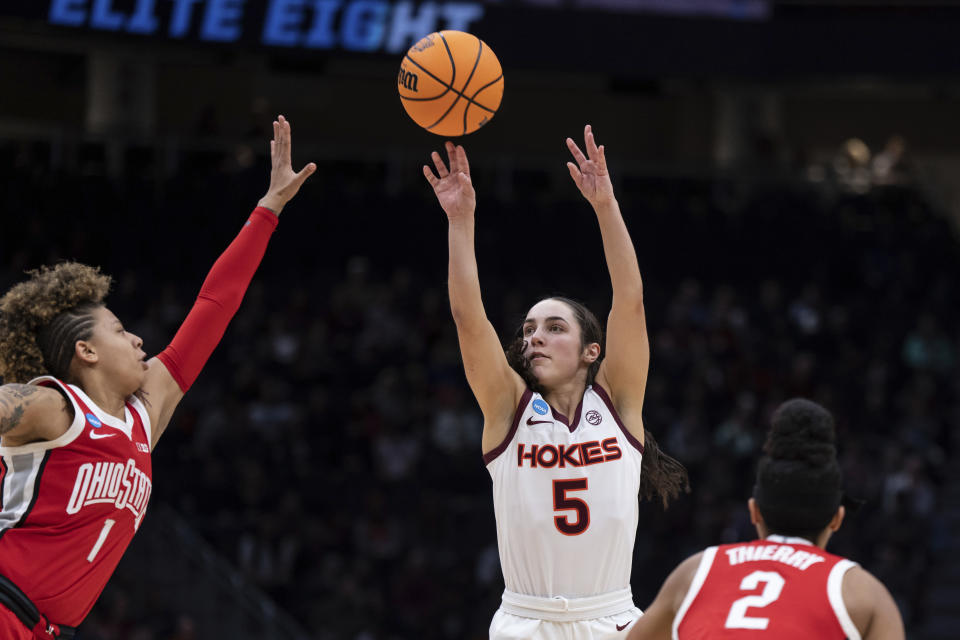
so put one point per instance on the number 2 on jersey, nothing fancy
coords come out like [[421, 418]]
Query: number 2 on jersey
[[561, 502], [773, 585]]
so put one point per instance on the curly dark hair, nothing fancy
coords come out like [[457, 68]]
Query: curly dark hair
[[798, 486], [661, 475], [42, 318]]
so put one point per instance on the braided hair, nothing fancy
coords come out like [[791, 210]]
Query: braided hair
[[42, 318]]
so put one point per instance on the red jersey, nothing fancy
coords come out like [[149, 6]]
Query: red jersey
[[783, 588], [70, 506]]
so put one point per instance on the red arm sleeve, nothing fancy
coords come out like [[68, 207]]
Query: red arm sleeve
[[219, 299]]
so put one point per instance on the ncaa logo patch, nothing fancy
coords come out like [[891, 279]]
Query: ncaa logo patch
[[540, 407], [93, 420], [594, 417]]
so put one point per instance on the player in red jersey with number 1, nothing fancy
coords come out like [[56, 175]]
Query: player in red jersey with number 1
[[82, 410], [785, 585]]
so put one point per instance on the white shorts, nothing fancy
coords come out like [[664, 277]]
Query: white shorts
[[604, 617]]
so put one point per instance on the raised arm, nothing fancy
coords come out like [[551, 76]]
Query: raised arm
[[496, 386], [623, 371], [174, 370]]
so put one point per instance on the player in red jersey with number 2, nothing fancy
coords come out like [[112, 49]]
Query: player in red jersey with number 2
[[82, 410], [784, 585]]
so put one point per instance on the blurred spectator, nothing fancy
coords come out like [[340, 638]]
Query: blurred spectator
[[331, 450]]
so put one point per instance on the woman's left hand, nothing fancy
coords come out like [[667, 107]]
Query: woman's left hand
[[590, 172]]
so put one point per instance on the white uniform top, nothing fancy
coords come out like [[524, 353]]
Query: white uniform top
[[565, 494]]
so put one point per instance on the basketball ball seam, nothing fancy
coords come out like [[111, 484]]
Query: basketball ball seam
[[465, 84], [453, 65], [453, 74], [459, 93], [471, 101]]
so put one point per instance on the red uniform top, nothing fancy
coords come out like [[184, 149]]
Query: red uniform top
[[783, 588], [70, 506]]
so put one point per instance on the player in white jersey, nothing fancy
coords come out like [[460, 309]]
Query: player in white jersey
[[563, 435]]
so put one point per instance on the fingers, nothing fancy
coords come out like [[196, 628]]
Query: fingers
[[438, 163], [452, 156], [284, 130], [459, 166], [428, 174], [575, 174], [575, 150], [590, 143], [305, 173], [462, 162]]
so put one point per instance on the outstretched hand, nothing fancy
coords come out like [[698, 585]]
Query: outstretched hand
[[453, 188], [284, 181], [590, 172]]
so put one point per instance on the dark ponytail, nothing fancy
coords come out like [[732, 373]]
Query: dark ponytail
[[661, 476]]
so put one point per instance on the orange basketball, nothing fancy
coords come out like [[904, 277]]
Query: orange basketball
[[450, 83]]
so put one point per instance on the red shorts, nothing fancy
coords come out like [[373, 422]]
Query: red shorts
[[11, 628]]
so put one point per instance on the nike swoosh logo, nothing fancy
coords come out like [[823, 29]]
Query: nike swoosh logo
[[97, 436], [621, 627], [530, 420]]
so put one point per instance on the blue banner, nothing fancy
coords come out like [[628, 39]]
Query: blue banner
[[351, 25]]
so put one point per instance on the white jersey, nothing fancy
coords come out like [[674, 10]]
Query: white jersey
[[565, 494]]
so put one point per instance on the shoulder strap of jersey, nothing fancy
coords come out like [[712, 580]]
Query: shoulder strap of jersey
[[835, 594], [75, 429], [137, 405], [603, 395], [706, 561]]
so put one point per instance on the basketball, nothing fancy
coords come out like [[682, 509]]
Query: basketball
[[450, 83]]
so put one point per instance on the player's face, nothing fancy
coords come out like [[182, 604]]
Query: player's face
[[552, 343], [119, 355]]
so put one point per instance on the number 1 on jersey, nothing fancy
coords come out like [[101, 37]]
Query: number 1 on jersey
[[562, 503], [772, 586], [107, 525]]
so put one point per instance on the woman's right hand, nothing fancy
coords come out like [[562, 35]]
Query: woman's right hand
[[284, 181], [454, 188]]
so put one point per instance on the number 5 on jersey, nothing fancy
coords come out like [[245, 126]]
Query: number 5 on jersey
[[562, 502]]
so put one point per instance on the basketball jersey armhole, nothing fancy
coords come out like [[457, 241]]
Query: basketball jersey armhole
[[494, 453], [616, 416], [137, 405], [72, 432], [703, 569], [835, 594]]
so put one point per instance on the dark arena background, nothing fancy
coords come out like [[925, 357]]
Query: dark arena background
[[789, 171]]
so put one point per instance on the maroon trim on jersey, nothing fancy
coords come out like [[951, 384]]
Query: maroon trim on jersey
[[616, 416], [490, 456], [559, 417], [36, 494]]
